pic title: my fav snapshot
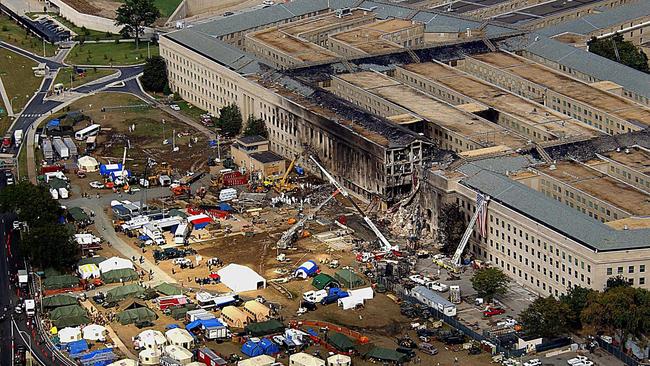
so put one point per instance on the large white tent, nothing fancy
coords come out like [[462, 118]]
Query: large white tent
[[115, 263], [94, 332], [70, 334], [241, 278], [152, 339], [88, 163]]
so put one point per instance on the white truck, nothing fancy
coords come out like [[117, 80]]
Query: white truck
[[30, 307], [314, 296], [437, 286], [23, 278], [180, 235], [18, 137], [63, 193], [54, 193]]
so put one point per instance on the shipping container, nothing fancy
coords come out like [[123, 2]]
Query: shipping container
[[60, 148]]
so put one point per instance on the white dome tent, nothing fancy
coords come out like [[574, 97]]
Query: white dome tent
[[89, 270], [151, 339], [94, 332], [115, 263], [241, 278], [70, 334], [88, 163]]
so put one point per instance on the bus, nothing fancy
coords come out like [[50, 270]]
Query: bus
[[91, 130]]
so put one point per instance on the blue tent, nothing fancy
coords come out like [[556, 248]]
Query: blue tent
[[223, 206], [306, 269], [193, 325], [172, 326], [269, 347], [210, 323], [106, 169], [77, 347], [53, 123], [212, 143], [252, 349], [99, 357]]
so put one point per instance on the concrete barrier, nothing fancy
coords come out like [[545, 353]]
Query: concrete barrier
[[86, 20]]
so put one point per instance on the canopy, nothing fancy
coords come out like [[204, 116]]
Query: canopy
[[115, 263], [91, 260], [252, 349], [70, 334], [168, 289], [69, 316], [264, 328], [94, 332], [89, 271], [55, 301], [348, 278], [340, 341], [78, 214], [125, 274], [88, 163], [269, 347], [122, 292], [59, 282], [386, 354], [322, 280], [136, 315], [77, 347]]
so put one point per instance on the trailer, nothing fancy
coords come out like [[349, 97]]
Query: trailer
[[431, 299], [18, 137], [180, 235], [60, 148], [63, 193], [48, 151], [72, 148], [23, 278], [165, 302]]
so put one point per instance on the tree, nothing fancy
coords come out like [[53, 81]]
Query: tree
[[618, 281], [489, 282], [154, 75], [45, 242], [451, 226], [255, 126], [545, 317], [134, 15], [628, 53], [230, 120], [576, 298], [623, 310]]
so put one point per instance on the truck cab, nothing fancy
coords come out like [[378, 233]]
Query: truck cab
[[30, 307]]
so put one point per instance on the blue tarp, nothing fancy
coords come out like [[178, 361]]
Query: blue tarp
[[200, 226], [211, 323], [223, 206], [212, 143], [269, 347], [172, 326], [107, 169], [252, 349], [77, 347], [312, 332], [99, 357], [143, 237], [192, 325], [54, 123]]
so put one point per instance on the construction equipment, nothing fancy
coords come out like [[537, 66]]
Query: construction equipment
[[181, 190], [288, 236], [386, 246], [481, 209], [282, 185]]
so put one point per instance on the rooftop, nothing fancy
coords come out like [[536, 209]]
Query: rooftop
[[601, 186], [549, 212], [542, 10], [527, 111], [293, 46], [369, 37], [266, 157], [433, 110], [563, 84], [636, 158]]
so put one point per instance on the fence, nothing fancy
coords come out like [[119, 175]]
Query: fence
[[616, 352]]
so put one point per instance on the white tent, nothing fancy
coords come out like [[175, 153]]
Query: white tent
[[115, 263], [180, 354], [94, 332], [89, 270], [149, 357], [339, 360], [365, 293], [151, 339], [179, 337], [261, 360], [350, 302], [88, 163], [67, 335], [241, 278], [125, 362]]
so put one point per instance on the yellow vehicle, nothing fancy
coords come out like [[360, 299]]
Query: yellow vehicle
[[283, 185]]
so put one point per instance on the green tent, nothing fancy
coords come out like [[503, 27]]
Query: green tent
[[91, 260], [125, 274], [340, 341], [348, 278], [57, 183], [385, 354], [122, 292], [55, 301], [169, 289], [136, 315], [323, 280], [179, 313], [264, 328], [69, 316], [176, 212], [78, 214], [59, 282]]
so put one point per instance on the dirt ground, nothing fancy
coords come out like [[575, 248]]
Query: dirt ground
[[146, 140], [223, 6], [103, 8]]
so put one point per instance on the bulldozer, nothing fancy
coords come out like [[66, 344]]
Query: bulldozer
[[181, 191]]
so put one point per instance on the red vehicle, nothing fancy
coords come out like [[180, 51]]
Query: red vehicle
[[165, 302], [493, 311]]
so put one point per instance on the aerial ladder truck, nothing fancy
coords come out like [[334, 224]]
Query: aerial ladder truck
[[481, 209]]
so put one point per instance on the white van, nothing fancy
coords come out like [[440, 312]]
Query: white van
[[314, 296], [227, 194]]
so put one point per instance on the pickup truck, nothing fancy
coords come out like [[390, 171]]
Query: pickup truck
[[437, 286], [579, 361], [493, 311], [333, 294]]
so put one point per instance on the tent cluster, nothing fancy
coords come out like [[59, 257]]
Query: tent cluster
[[255, 347]]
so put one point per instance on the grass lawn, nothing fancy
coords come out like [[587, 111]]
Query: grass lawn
[[5, 121], [166, 7], [22, 163], [91, 74], [123, 53], [18, 78], [11, 33], [190, 110]]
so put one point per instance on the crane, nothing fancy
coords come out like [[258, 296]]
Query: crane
[[385, 244], [287, 236], [481, 211], [282, 185]]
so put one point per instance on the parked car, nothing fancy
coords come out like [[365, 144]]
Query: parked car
[[175, 107], [533, 362], [96, 184], [420, 280], [437, 286], [493, 311], [428, 348]]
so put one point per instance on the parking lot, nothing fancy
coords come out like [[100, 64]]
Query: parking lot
[[599, 358]]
